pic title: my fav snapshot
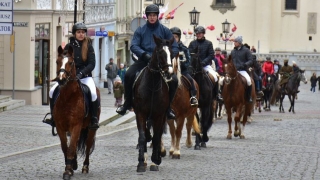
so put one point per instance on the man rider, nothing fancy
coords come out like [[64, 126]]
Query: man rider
[[242, 59], [285, 72], [185, 59], [206, 54], [142, 46]]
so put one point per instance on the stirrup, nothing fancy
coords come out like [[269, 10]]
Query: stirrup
[[47, 120]]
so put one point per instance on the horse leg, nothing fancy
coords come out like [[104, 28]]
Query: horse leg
[[220, 109], [198, 138], [178, 132], [292, 104], [173, 136], [229, 136], [156, 141], [289, 96], [189, 124], [142, 144], [237, 121], [163, 150], [63, 142], [89, 148]]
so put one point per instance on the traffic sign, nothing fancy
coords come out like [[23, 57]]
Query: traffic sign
[[6, 16], [5, 28]]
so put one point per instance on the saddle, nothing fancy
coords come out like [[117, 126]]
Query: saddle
[[185, 82]]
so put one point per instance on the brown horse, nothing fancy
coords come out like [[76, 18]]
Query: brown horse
[[234, 98], [150, 103], [183, 109], [70, 115]]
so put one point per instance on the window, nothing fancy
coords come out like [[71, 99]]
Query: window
[[223, 5], [291, 5]]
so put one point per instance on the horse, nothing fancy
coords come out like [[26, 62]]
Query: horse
[[150, 103], [70, 115], [268, 91], [206, 85], [233, 93], [290, 89], [218, 105], [183, 109]]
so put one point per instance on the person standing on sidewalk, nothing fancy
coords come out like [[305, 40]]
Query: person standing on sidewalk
[[118, 91], [112, 74], [313, 81], [122, 72]]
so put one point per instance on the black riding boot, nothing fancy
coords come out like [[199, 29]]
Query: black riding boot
[[50, 121], [173, 85], [94, 112], [193, 99], [217, 93], [248, 94]]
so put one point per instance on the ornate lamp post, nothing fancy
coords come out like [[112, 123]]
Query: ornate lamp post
[[194, 18], [225, 30], [158, 2]]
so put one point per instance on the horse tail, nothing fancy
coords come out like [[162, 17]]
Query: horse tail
[[195, 125], [274, 95], [81, 149]]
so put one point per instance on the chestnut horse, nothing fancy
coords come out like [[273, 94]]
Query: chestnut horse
[[290, 89], [233, 94], [151, 101], [206, 85], [183, 109], [70, 115]]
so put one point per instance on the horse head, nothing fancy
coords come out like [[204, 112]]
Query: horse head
[[65, 66], [269, 81], [303, 77], [229, 69], [161, 56]]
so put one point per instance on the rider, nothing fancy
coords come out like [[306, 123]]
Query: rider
[[242, 59], [267, 68], [185, 59], [85, 62], [296, 69], [276, 67], [219, 67], [285, 72], [142, 46], [206, 54], [257, 75]]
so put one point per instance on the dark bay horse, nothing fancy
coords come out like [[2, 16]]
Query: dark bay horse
[[183, 109], [290, 89], [206, 86], [150, 102], [234, 98], [70, 115], [268, 91]]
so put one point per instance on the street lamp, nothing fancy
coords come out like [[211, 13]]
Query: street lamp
[[225, 30], [194, 18], [158, 2]]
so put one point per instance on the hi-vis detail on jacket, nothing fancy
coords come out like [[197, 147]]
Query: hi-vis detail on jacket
[[182, 56]]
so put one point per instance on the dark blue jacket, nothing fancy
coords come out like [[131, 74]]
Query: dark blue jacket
[[143, 39], [184, 63], [206, 52]]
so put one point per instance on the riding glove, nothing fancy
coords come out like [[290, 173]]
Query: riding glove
[[79, 75], [146, 57]]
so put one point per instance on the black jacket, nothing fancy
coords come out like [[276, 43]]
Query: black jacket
[[85, 67], [242, 57], [206, 52]]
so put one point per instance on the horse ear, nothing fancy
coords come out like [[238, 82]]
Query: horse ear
[[171, 40], [156, 40], [70, 50], [60, 50]]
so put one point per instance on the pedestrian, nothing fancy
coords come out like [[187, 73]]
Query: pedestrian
[[206, 55], [313, 81], [122, 72], [118, 91], [142, 45], [112, 69], [84, 58], [185, 60], [242, 59], [319, 82]]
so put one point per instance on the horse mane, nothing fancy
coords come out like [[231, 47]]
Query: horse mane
[[177, 69]]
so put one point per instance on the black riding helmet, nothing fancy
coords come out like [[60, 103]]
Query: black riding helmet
[[177, 31], [152, 8], [200, 29], [78, 26]]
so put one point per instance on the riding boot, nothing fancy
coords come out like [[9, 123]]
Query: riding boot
[[193, 99], [94, 112], [173, 85], [217, 93], [248, 94], [50, 121]]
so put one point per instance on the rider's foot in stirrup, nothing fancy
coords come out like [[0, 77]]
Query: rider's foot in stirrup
[[263, 87], [170, 114], [219, 98], [260, 93], [94, 124], [193, 101], [48, 120], [122, 110]]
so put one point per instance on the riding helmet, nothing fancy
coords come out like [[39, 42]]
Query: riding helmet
[[200, 29], [152, 8], [78, 26], [176, 30]]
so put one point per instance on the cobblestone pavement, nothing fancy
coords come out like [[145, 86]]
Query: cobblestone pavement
[[285, 149]]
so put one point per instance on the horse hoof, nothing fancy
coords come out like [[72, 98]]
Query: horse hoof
[[163, 153], [66, 177], [176, 156], [154, 168], [235, 134], [229, 136], [171, 152], [85, 169], [197, 147], [203, 144], [242, 137], [141, 168]]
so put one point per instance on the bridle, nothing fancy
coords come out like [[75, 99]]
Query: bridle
[[68, 73], [159, 68]]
